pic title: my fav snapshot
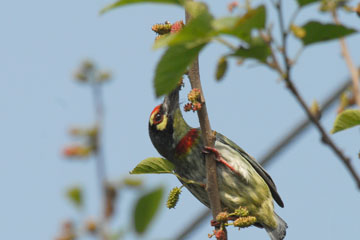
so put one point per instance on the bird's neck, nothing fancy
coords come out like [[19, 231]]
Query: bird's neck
[[181, 128]]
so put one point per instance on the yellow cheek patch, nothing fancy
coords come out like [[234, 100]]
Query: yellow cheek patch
[[161, 126], [153, 113], [151, 119]]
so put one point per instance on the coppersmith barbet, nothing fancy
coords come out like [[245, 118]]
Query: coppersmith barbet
[[242, 181]]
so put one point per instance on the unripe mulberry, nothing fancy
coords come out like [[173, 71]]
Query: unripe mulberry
[[243, 222], [242, 212], [173, 197], [222, 217]]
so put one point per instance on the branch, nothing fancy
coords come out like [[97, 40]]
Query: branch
[[352, 68], [207, 137], [99, 156], [325, 137], [301, 126]]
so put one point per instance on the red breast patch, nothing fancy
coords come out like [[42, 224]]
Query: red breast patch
[[187, 142]]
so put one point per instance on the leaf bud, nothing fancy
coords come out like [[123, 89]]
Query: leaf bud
[[104, 76], [298, 32], [221, 68], [91, 226]]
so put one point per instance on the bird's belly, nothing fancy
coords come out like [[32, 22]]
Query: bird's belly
[[234, 190]]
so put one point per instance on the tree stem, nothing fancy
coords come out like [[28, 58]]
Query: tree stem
[[207, 136], [354, 72], [99, 156]]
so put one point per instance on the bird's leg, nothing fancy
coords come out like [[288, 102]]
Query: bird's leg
[[208, 150]]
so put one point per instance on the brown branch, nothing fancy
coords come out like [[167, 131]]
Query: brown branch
[[207, 136], [352, 68], [325, 137], [301, 126]]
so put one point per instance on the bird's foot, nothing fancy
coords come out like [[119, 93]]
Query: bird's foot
[[214, 151], [208, 150]]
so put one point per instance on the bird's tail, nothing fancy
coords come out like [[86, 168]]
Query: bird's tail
[[280, 231]]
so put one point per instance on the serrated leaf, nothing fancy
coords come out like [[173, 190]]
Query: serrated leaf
[[153, 165], [303, 3], [320, 32], [75, 195], [173, 65], [257, 49], [127, 2], [146, 208], [241, 27], [346, 119]]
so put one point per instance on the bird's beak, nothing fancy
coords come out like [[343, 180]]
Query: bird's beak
[[171, 101]]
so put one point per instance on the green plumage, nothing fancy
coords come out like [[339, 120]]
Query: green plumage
[[242, 181]]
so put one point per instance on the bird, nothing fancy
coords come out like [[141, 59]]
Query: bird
[[242, 181]]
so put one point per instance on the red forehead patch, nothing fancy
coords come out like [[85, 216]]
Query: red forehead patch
[[156, 109]]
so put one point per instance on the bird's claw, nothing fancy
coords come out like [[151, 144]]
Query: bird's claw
[[208, 150], [218, 157]]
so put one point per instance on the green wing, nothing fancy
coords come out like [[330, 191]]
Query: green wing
[[258, 168]]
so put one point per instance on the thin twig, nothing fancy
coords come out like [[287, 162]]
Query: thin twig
[[268, 40], [208, 138], [301, 126], [325, 137], [293, 18], [226, 43], [354, 72], [99, 155]]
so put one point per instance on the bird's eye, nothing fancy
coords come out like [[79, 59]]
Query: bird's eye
[[158, 118]]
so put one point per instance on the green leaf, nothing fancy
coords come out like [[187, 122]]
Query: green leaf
[[145, 209], [153, 165], [195, 8], [319, 32], [173, 65], [241, 27], [346, 119], [121, 3], [257, 49], [75, 195], [303, 3]]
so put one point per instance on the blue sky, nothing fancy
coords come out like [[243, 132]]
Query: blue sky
[[43, 42]]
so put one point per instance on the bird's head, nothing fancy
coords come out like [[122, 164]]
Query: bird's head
[[161, 124]]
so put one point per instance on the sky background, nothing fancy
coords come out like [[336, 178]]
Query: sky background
[[43, 42]]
